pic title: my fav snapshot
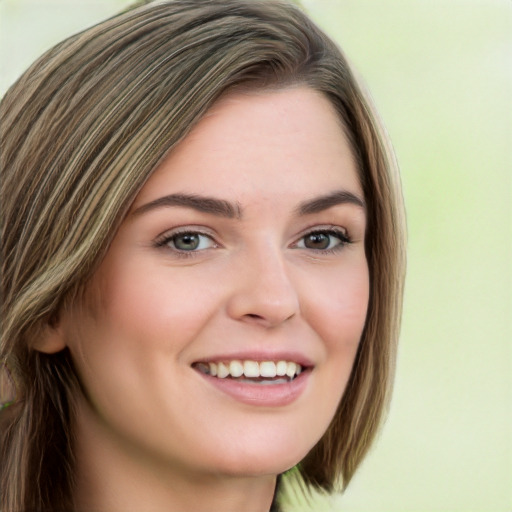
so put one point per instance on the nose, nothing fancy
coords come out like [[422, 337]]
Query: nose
[[263, 293]]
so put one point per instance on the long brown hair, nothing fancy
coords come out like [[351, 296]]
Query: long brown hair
[[83, 129]]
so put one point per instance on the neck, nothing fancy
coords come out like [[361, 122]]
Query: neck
[[111, 478]]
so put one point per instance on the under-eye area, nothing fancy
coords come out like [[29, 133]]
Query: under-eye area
[[253, 372]]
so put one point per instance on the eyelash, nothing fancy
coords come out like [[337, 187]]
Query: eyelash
[[341, 235], [165, 241]]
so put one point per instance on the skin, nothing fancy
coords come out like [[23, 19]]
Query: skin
[[153, 434]]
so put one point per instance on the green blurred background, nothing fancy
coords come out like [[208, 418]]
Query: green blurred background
[[440, 72]]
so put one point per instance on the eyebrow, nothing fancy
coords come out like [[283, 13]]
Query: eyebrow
[[203, 204], [319, 204], [223, 208]]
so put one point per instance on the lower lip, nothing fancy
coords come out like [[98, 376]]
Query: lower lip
[[269, 395]]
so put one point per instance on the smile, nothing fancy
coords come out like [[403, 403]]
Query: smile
[[264, 383], [248, 371]]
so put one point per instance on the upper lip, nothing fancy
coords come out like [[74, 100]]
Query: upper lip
[[258, 356]]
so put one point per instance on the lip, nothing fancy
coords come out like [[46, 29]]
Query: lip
[[272, 395]]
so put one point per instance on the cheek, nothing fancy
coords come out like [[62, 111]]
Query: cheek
[[155, 305], [338, 314], [338, 310]]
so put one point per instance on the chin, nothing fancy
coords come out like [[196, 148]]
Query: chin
[[270, 458]]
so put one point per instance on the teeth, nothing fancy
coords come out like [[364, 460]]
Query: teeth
[[281, 367], [222, 371], [236, 369], [251, 369], [268, 369], [291, 369]]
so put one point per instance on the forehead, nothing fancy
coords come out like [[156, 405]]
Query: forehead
[[260, 144]]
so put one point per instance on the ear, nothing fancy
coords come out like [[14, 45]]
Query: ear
[[49, 337]]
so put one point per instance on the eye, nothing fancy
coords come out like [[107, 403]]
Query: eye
[[323, 240], [187, 241]]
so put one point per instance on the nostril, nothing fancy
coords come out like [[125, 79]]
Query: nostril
[[268, 302], [265, 321]]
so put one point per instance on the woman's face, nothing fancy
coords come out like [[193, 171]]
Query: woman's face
[[244, 252]]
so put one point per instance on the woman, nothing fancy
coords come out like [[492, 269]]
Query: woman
[[202, 263]]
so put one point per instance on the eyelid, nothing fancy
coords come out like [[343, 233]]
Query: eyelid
[[338, 231], [163, 239], [322, 228]]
